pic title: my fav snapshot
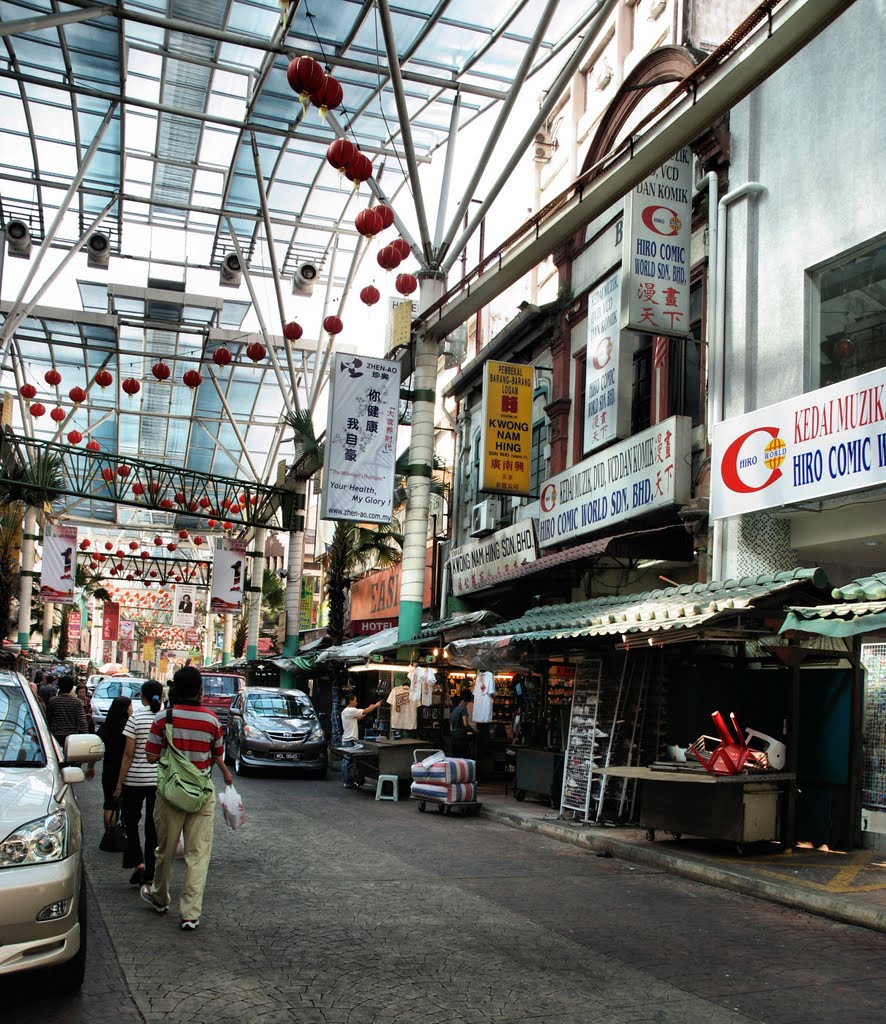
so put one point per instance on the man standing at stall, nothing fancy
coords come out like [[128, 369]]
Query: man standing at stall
[[350, 716]]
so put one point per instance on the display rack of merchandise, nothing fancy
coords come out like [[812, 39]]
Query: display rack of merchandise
[[580, 781]]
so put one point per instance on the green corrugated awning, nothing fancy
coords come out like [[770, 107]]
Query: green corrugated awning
[[838, 620]]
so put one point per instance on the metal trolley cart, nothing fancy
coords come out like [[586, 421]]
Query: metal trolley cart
[[443, 804]]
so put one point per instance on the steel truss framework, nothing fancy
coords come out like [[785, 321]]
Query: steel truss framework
[[133, 568]]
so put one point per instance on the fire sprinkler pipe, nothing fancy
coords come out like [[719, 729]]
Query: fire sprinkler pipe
[[716, 351]]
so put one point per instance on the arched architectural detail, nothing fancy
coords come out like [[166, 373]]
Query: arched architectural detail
[[671, 63]]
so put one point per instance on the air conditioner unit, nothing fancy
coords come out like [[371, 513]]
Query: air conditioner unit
[[303, 279], [98, 251], [18, 239], [482, 519], [230, 272]]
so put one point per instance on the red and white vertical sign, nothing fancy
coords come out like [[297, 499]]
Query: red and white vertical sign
[[658, 227], [228, 577], [110, 621], [59, 564]]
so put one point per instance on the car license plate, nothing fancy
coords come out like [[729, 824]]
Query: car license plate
[[287, 757]]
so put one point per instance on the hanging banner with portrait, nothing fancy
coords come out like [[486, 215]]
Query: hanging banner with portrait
[[184, 605], [228, 577], [59, 564]]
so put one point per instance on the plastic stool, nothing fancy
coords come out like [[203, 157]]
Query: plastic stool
[[380, 787]]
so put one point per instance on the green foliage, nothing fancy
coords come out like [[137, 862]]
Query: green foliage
[[10, 545], [37, 484], [308, 449]]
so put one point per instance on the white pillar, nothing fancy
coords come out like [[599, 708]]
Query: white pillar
[[256, 570], [26, 576]]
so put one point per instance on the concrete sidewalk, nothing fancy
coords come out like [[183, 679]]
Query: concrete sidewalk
[[848, 887]]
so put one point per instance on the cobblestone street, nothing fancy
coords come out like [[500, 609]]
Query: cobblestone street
[[330, 908]]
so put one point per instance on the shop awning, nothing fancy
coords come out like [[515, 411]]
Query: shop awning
[[360, 648], [652, 617], [860, 608]]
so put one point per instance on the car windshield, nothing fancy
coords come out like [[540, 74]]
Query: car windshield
[[20, 744], [112, 688], [279, 705], [220, 686]]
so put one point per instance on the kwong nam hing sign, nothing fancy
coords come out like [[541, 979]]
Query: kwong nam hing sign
[[489, 562], [823, 443], [647, 471]]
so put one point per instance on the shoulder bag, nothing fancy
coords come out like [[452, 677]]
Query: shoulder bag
[[179, 781]]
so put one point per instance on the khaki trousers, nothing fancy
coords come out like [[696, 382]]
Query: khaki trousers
[[197, 830]]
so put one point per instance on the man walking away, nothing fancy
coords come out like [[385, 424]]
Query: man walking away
[[46, 688], [65, 713], [197, 734]]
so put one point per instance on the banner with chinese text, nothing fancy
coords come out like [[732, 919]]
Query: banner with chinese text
[[506, 429], [361, 440], [59, 564], [110, 621]]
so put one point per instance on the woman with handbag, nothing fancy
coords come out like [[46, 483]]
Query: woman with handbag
[[111, 734], [137, 786]]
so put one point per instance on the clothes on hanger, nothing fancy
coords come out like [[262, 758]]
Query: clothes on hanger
[[484, 688]]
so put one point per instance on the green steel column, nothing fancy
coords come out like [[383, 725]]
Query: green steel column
[[26, 581], [294, 568], [421, 462], [256, 569], [228, 638]]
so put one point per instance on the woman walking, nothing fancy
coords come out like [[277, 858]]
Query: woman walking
[[137, 786], [111, 734]]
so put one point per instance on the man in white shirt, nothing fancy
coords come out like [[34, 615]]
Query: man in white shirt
[[350, 716]]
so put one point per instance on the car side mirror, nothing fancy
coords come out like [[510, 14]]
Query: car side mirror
[[72, 774]]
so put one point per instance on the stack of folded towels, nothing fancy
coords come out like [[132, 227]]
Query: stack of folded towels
[[448, 780]]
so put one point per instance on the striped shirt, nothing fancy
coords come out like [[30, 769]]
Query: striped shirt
[[196, 732], [65, 716], [138, 726]]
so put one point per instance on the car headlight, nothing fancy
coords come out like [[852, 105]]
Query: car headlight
[[253, 733], [37, 842], [317, 732]]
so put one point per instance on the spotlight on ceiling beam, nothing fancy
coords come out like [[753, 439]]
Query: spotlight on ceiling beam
[[98, 251], [18, 239], [230, 273], [303, 279]]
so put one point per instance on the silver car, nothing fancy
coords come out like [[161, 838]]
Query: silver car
[[271, 728], [109, 688], [42, 888]]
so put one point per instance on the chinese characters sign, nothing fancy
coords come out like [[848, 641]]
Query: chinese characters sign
[[658, 215], [361, 440], [506, 434], [825, 442], [110, 621], [228, 583], [489, 562], [607, 412], [59, 561], [648, 471]]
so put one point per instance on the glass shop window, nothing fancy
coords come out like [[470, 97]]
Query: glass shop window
[[686, 385], [538, 469], [849, 315], [641, 392]]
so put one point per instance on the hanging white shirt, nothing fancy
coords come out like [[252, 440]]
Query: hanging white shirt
[[403, 715], [484, 688]]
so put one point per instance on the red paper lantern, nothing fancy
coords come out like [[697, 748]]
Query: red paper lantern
[[227, 526], [305, 76], [242, 499], [204, 502], [192, 506], [108, 474], [183, 534], [192, 378], [370, 295], [180, 497], [340, 153], [292, 331], [138, 489], [406, 284], [226, 503], [332, 325], [328, 96], [53, 378], [112, 571], [359, 169], [161, 371], [158, 541], [84, 544], [368, 223], [145, 554], [28, 391], [131, 386], [37, 410], [155, 488], [234, 509], [133, 545], [221, 356], [104, 379], [256, 351], [129, 576], [58, 414], [123, 471], [212, 523], [403, 247], [93, 446], [153, 573], [171, 547], [75, 437], [77, 395], [388, 257], [198, 541], [109, 546], [166, 503], [119, 554], [386, 214], [253, 500]]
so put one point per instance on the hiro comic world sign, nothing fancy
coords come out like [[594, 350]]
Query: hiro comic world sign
[[648, 471], [819, 444], [658, 228]]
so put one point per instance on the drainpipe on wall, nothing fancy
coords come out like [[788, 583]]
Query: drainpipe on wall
[[716, 350]]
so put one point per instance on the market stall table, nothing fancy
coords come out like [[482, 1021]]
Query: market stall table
[[743, 808], [380, 757]]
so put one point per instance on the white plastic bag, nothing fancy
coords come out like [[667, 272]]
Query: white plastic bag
[[180, 847], [232, 807]]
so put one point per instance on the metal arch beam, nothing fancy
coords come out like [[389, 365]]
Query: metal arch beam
[[37, 24], [237, 462], [387, 25], [231, 419], [493, 140], [793, 24]]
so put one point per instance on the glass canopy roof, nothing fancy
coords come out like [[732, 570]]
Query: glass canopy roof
[[170, 128]]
